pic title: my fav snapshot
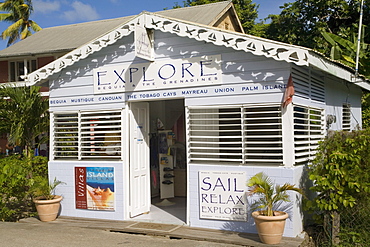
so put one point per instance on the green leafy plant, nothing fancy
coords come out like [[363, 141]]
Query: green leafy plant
[[42, 189], [341, 177], [340, 171], [24, 115], [344, 50], [262, 185], [15, 182]]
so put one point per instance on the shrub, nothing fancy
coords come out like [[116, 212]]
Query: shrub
[[341, 169], [341, 176], [15, 180]]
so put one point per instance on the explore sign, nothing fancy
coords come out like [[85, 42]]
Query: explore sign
[[222, 195], [161, 74]]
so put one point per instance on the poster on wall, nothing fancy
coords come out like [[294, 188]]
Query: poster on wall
[[94, 188], [222, 195]]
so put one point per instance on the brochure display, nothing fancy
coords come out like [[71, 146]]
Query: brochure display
[[166, 165], [166, 176]]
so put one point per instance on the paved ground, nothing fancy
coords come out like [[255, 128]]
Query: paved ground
[[66, 231], [54, 235]]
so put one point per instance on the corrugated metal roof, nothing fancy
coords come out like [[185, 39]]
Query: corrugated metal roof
[[201, 14], [68, 37]]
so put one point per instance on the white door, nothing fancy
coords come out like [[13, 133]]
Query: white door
[[139, 159]]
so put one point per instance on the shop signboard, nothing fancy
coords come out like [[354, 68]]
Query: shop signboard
[[160, 74], [222, 195], [94, 188], [144, 43]]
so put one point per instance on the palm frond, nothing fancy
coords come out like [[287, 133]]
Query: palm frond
[[26, 112], [18, 13], [4, 16], [25, 32], [262, 185], [34, 26]]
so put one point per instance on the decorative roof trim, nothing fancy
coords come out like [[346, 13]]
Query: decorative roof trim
[[82, 52], [241, 42]]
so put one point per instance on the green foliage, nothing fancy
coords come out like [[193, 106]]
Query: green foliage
[[302, 21], [344, 50], [23, 114], [15, 181], [41, 187], [351, 238], [246, 10], [365, 102], [17, 12], [341, 171], [262, 185]]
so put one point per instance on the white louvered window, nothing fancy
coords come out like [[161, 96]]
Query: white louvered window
[[87, 135], [346, 117], [308, 131], [246, 134], [308, 85], [263, 135], [65, 136]]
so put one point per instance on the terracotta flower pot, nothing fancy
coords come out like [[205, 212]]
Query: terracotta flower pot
[[270, 228], [47, 209]]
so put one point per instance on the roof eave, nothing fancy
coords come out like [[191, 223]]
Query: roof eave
[[337, 69], [36, 54], [279, 51]]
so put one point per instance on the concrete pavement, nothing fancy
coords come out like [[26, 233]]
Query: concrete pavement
[[67, 231]]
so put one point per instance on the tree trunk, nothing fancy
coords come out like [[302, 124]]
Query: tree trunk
[[332, 226]]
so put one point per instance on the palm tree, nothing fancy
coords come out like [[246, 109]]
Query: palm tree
[[18, 13], [23, 115], [270, 195]]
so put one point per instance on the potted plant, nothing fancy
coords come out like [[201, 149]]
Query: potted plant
[[270, 224], [46, 202]]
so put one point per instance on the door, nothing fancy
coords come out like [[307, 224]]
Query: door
[[139, 159]]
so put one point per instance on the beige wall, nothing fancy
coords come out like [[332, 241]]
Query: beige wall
[[228, 22]]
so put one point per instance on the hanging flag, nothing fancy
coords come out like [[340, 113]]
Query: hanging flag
[[289, 92]]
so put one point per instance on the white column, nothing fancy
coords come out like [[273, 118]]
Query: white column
[[288, 136], [52, 137]]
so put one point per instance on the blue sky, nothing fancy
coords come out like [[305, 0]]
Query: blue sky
[[48, 13]]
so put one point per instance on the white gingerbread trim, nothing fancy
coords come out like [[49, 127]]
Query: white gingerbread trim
[[82, 52], [257, 46]]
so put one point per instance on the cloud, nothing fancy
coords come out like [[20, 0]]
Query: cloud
[[80, 12], [45, 7]]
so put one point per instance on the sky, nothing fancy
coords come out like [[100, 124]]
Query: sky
[[49, 13]]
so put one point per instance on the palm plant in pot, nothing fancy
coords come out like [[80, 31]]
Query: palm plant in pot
[[270, 224], [46, 202]]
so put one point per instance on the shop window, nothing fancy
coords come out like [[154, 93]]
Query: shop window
[[87, 135], [18, 69], [65, 135], [346, 117], [263, 135], [308, 131], [308, 84], [235, 134]]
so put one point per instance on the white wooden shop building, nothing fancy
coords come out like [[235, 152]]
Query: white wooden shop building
[[206, 103]]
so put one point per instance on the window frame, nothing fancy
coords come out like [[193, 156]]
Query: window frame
[[226, 134], [94, 135], [309, 130], [15, 71], [346, 117]]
